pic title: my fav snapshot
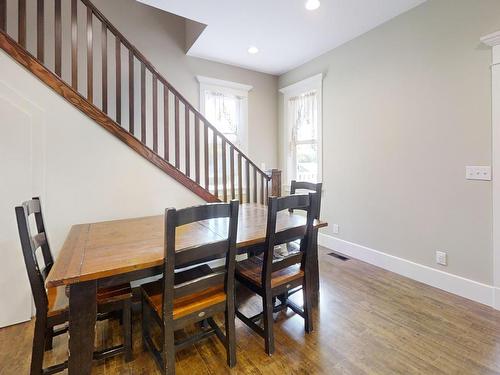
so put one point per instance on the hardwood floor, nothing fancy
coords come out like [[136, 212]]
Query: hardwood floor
[[369, 321]]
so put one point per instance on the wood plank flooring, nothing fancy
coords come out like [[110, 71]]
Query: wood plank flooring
[[369, 321]]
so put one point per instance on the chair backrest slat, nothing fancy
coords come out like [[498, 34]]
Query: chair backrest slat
[[199, 284], [32, 206], [293, 202], [201, 213], [201, 277], [40, 227], [289, 235], [38, 240], [202, 253], [304, 185], [287, 261], [307, 203], [30, 244]]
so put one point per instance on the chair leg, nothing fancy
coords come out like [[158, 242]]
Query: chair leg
[[145, 324], [307, 291], [38, 346], [283, 298], [49, 338], [168, 349], [268, 324], [314, 270], [203, 324], [230, 336], [127, 330]]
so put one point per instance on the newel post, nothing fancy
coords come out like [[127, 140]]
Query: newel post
[[275, 175]]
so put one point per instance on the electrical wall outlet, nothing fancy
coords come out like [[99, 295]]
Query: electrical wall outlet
[[441, 258], [335, 228], [478, 173]]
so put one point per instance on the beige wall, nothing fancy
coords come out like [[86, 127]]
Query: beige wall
[[405, 108], [160, 36]]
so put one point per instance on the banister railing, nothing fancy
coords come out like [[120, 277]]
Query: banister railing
[[121, 82]]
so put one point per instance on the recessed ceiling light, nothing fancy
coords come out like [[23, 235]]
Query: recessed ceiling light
[[253, 50], [312, 4]]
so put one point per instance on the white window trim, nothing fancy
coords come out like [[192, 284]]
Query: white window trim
[[229, 88], [309, 84]]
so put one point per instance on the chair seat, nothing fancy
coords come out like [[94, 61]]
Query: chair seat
[[251, 270], [59, 302], [184, 305]]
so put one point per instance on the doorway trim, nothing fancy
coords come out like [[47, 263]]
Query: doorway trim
[[493, 40]]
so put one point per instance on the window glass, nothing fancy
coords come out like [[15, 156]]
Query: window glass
[[307, 162], [306, 117], [304, 143], [223, 111]]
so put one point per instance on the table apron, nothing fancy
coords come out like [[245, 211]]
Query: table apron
[[156, 270], [127, 277]]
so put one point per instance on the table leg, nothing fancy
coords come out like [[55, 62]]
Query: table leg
[[82, 319], [315, 268]]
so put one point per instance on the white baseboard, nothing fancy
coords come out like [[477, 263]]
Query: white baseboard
[[470, 289], [497, 299]]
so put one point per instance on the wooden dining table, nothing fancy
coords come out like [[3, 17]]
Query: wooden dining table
[[113, 252]]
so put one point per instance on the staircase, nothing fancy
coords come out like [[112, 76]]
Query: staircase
[[127, 96]]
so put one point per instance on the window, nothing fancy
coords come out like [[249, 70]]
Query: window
[[303, 151], [225, 105], [224, 112]]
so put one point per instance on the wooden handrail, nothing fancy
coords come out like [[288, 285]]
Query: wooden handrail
[[215, 159], [3, 15]]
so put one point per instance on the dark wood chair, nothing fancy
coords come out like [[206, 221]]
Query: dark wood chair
[[52, 307], [196, 294], [271, 278], [306, 187]]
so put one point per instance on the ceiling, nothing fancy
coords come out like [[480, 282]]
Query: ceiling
[[286, 34]]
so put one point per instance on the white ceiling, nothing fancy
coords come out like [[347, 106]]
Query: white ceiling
[[286, 34]]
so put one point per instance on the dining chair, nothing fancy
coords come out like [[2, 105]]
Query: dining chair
[[306, 187], [52, 305], [269, 277], [294, 246], [191, 291]]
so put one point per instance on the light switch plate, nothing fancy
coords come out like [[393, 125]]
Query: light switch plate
[[335, 228], [478, 173], [441, 258]]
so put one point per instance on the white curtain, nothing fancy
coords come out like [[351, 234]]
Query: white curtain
[[223, 112], [302, 122]]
